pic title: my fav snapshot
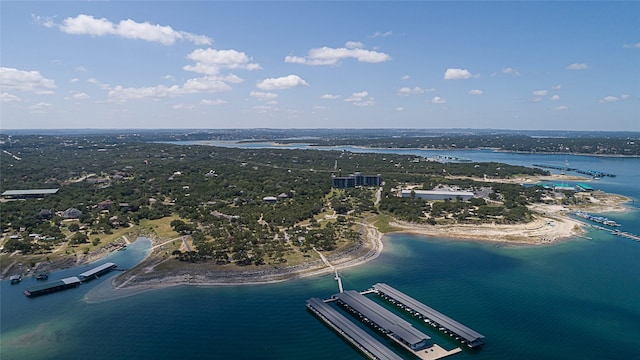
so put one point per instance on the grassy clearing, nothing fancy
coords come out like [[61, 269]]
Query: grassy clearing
[[382, 222]]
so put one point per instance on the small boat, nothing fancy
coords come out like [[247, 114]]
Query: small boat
[[16, 279], [42, 275]]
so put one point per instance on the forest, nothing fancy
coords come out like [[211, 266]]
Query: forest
[[238, 206]]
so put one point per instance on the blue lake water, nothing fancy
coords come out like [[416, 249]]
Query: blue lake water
[[577, 298]]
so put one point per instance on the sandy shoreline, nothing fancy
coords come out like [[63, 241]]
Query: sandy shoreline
[[551, 223]]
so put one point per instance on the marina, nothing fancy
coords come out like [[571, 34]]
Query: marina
[[97, 271], [67, 283], [592, 173], [52, 286], [390, 324], [359, 338], [436, 319], [597, 219]]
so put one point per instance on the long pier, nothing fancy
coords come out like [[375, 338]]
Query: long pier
[[438, 320], [592, 173], [359, 338], [389, 324]]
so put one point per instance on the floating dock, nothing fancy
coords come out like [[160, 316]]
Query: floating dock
[[592, 173], [382, 319], [436, 319], [97, 271], [390, 324], [52, 286], [69, 282], [359, 338]]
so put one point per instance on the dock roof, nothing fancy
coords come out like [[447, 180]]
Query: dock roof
[[443, 320], [352, 331], [97, 269], [382, 317], [53, 284]]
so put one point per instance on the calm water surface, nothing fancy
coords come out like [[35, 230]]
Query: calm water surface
[[575, 299]]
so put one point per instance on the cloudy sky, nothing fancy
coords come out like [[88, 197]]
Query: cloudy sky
[[506, 65]]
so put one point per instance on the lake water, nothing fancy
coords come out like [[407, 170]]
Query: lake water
[[577, 298]]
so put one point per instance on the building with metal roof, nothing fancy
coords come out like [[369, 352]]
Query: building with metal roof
[[438, 194], [97, 271], [437, 319], [366, 343], [32, 193], [383, 319], [52, 286]]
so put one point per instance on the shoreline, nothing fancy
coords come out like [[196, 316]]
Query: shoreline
[[551, 224], [373, 245]]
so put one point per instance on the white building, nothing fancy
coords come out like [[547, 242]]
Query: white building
[[438, 194]]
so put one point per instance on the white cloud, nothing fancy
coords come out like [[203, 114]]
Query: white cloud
[[213, 102], [285, 82], [577, 66], [361, 99], [265, 108], [183, 106], [399, 108], [540, 92], [625, 96], [191, 86], [632, 46], [260, 95], [44, 21], [329, 97], [405, 77], [332, 56], [438, 100], [74, 80], [511, 71], [556, 87], [6, 97], [406, 91], [80, 96], [100, 84], [476, 92], [41, 107], [88, 25], [458, 74], [210, 61], [555, 97], [608, 99], [354, 45], [560, 108], [121, 93], [381, 34], [32, 81], [205, 84]]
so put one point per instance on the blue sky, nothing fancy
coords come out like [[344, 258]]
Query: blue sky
[[197, 64]]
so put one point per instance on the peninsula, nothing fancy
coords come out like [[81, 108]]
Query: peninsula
[[231, 215]]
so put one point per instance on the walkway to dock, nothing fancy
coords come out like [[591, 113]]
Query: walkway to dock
[[335, 271]]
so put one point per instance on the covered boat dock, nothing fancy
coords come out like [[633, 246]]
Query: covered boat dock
[[383, 320], [431, 316], [97, 271], [52, 286], [351, 332]]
